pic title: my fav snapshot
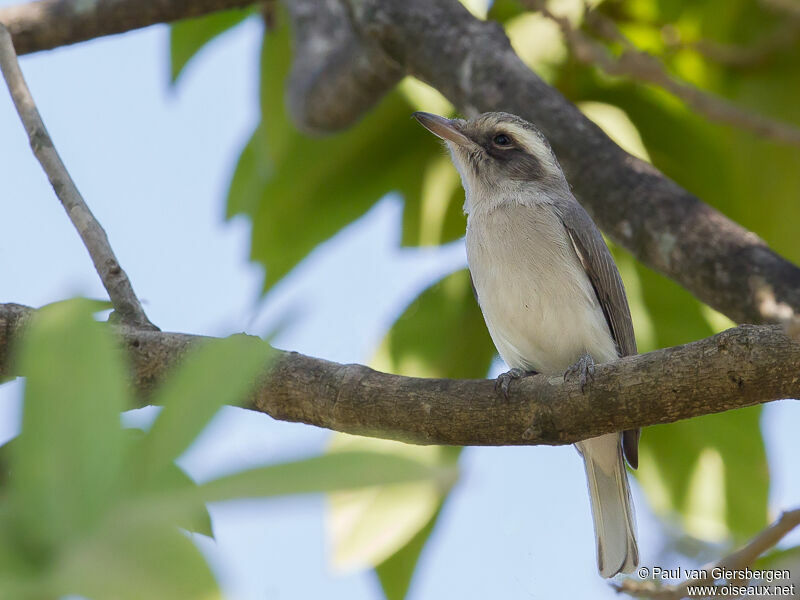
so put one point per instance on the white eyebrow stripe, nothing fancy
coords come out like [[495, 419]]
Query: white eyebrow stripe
[[528, 140]]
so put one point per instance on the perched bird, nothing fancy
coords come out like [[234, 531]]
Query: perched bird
[[549, 291]]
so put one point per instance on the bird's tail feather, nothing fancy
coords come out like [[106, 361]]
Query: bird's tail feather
[[612, 508]]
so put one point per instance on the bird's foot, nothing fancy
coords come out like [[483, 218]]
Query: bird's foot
[[583, 368], [504, 380]]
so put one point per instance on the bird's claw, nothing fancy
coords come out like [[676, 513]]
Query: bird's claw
[[583, 368], [504, 380]]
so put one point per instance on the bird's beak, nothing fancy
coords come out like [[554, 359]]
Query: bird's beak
[[447, 129]]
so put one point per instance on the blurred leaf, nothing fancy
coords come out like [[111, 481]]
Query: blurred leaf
[[672, 453], [251, 175], [171, 480], [65, 463], [395, 572], [435, 216], [441, 334], [368, 526], [130, 559], [196, 521], [187, 37], [216, 373], [339, 471], [505, 10], [300, 191]]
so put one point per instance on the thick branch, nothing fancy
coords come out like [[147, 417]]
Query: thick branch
[[740, 367], [473, 64], [48, 24], [94, 238], [356, 72]]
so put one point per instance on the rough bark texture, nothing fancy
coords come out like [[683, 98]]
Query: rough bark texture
[[472, 63], [739, 367], [48, 24]]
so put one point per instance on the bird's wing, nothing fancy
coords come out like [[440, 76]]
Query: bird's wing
[[604, 276]]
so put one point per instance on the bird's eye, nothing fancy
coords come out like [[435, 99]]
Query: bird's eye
[[501, 139]]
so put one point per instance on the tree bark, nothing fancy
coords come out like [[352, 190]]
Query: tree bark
[[740, 367], [47, 24]]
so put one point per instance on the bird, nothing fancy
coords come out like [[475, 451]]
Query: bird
[[549, 291]]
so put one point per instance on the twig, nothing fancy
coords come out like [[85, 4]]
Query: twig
[[737, 561], [645, 67], [92, 234], [755, 55], [790, 8]]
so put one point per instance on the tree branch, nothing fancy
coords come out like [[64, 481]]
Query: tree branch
[[740, 367], [114, 279], [47, 24], [738, 561], [641, 66], [356, 72], [472, 63]]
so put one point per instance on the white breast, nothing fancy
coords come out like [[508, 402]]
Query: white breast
[[538, 302]]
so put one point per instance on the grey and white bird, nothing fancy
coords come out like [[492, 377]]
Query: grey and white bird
[[549, 291]]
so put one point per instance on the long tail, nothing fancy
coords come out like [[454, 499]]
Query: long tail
[[612, 509]]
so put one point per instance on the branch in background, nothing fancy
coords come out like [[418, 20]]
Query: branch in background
[[790, 8], [472, 63], [116, 282], [48, 24], [755, 55], [644, 67], [738, 561], [322, 100], [740, 367]]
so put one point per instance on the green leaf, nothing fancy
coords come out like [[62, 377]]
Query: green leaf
[[340, 471], [299, 191], [368, 526], [65, 465], [441, 334], [505, 10], [195, 520], [395, 572], [435, 215], [187, 37], [130, 559], [216, 373]]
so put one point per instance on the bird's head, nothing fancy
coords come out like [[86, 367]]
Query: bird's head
[[498, 154]]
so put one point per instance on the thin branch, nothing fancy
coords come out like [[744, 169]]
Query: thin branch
[[644, 67], [47, 24], [737, 561], [114, 279], [751, 56], [789, 8], [740, 367]]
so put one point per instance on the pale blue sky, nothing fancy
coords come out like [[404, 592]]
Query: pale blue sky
[[153, 163]]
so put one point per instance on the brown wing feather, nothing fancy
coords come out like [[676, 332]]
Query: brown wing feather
[[604, 276]]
